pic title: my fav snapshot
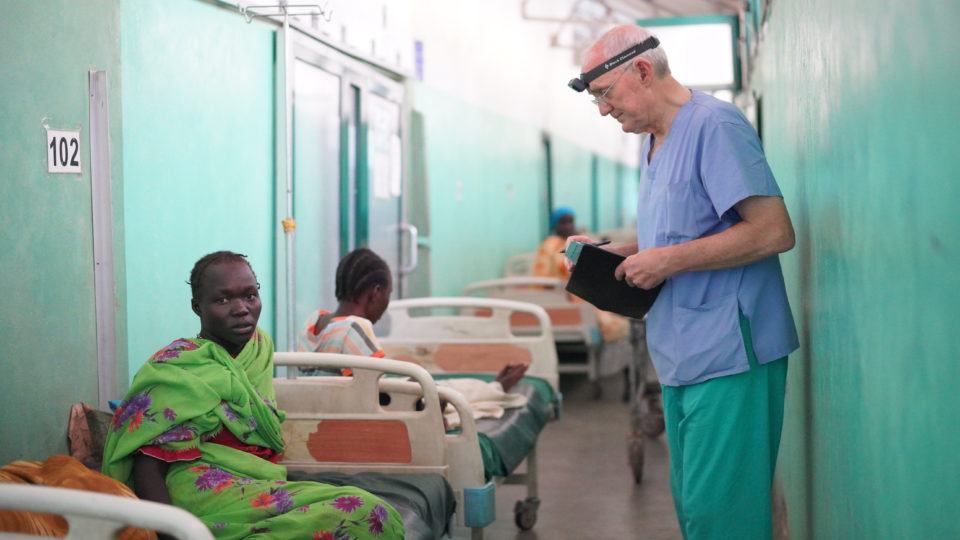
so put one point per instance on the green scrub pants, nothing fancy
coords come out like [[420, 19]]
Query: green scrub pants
[[723, 436]]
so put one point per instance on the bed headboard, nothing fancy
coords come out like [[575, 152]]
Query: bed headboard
[[537, 290], [571, 321], [471, 335], [520, 265]]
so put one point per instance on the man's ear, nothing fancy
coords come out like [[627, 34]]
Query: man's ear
[[195, 306], [644, 68]]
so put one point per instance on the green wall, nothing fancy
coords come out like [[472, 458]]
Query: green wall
[[617, 191], [485, 183], [860, 123], [198, 136], [572, 176], [47, 318], [486, 188], [629, 192], [614, 197]]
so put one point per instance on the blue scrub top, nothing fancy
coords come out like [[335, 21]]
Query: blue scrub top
[[710, 161]]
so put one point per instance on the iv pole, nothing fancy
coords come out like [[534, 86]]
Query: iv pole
[[284, 147]]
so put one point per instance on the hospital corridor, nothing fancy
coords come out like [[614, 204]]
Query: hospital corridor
[[479, 269]]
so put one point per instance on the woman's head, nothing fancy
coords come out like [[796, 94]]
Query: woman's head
[[563, 221], [363, 278], [226, 297]]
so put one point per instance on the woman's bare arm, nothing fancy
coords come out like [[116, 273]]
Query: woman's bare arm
[[150, 482], [150, 478]]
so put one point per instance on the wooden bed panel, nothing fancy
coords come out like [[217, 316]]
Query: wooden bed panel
[[559, 316], [479, 357], [566, 316], [360, 441], [523, 319]]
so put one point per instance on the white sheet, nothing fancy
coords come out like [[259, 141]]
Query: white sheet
[[487, 400]]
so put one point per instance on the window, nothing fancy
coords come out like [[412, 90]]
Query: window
[[702, 50]]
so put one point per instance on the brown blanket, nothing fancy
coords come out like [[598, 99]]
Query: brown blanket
[[64, 472]]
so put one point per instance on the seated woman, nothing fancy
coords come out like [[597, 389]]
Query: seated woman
[[199, 428], [363, 288], [550, 263]]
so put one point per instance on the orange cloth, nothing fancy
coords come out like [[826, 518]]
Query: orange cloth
[[64, 472], [550, 262]]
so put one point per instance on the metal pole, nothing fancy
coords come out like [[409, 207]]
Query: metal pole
[[289, 225], [102, 204]]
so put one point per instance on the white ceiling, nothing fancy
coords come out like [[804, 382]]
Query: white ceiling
[[576, 23]]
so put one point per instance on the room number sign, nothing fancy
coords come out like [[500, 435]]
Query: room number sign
[[63, 151]]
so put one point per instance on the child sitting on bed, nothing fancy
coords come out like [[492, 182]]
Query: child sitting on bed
[[363, 288]]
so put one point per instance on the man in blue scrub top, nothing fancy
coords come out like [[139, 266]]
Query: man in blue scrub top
[[710, 223]]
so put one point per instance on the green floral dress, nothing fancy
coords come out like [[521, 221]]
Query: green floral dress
[[214, 419]]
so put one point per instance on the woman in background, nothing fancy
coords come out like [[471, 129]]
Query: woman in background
[[550, 263]]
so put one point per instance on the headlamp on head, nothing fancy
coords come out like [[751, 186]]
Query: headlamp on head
[[581, 83], [577, 84]]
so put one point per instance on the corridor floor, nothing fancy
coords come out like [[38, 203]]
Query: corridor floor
[[586, 486]]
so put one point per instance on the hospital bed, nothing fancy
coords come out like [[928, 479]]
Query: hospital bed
[[476, 337], [366, 430], [336, 432], [98, 516], [520, 265], [574, 325], [618, 236]]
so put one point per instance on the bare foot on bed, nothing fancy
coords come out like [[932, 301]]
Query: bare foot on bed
[[510, 375]]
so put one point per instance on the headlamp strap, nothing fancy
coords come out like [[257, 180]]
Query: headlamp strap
[[647, 44]]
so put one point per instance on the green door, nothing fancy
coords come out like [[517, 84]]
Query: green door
[[316, 186], [347, 171]]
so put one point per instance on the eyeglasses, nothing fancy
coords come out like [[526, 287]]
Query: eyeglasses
[[597, 100]]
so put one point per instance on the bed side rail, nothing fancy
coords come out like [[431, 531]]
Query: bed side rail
[[98, 515], [360, 423]]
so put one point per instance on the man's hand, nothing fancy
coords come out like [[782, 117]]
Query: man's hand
[[645, 269], [576, 238]]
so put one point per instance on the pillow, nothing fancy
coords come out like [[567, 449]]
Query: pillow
[[87, 432]]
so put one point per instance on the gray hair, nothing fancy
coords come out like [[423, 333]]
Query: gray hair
[[623, 37]]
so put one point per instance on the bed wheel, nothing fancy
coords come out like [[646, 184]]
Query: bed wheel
[[596, 391], [635, 453], [651, 418], [525, 513]]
